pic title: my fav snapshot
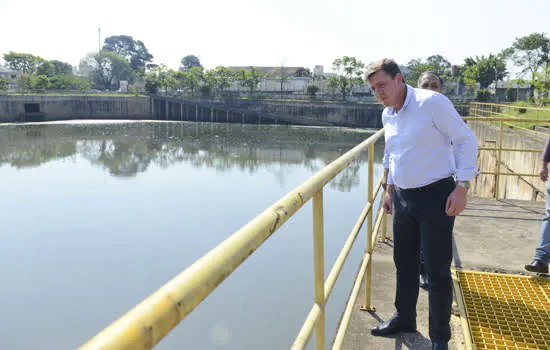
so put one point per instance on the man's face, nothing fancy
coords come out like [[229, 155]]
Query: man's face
[[386, 90], [430, 82]]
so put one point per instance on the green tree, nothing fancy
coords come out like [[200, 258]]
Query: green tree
[[541, 84], [470, 86], [162, 77], [69, 82], [530, 53], [223, 78], [302, 72], [23, 62], [4, 83], [54, 67], [484, 70], [249, 78], [134, 51], [42, 82], [25, 82], [109, 68], [189, 62], [439, 65], [280, 74], [83, 84], [152, 84], [193, 78], [348, 74], [311, 90], [435, 63], [207, 82], [189, 80]]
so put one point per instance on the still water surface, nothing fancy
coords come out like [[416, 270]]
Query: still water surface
[[96, 217]]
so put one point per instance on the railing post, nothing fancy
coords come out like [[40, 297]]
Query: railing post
[[497, 182], [368, 306], [319, 267]]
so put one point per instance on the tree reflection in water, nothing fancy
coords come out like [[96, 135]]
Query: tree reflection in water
[[127, 149]]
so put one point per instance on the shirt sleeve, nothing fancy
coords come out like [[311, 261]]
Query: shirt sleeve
[[386, 160], [545, 156], [386, 164], [465, 147]]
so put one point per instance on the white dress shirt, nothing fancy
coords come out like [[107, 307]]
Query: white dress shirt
[[426, 140]]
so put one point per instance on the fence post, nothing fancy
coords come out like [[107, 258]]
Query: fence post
[[497, 182], [368, 306], [319, 267]]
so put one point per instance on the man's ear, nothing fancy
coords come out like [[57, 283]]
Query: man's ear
[[399, 78]]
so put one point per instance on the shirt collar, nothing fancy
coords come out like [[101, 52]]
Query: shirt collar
[[410, 93]]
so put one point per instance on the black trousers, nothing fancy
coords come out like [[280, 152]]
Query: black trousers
[[419, 217]]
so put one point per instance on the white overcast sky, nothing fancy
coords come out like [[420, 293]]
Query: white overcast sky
[[271, 32]]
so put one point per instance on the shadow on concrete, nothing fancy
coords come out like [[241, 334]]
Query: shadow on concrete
[[406, 340], [414, 341], [499, 217], [498, 210], [534, 210]]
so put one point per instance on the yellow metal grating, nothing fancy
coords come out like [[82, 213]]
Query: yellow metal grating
[[506, 311]]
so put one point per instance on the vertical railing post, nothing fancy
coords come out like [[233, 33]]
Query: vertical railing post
[[368, 305], [319, 267], [497, 181]]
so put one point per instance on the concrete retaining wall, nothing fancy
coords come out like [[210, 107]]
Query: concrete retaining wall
[[268, 111], [12, 108], [510, 187]]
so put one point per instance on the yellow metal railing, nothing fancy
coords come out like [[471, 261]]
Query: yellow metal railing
[[495, 113], [147, 323]]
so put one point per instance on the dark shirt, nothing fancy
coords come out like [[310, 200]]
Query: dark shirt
[[546, 155]]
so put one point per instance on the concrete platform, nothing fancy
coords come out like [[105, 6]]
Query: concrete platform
[[496, 236]]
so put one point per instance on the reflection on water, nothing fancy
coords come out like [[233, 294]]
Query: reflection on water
[[98, 216], [126, 150]]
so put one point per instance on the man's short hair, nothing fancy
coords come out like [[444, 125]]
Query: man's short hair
[[386, 65], [429, 73]]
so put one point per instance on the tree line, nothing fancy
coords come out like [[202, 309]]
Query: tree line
[[124, 58]]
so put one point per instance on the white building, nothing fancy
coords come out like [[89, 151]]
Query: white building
[[11, 74]]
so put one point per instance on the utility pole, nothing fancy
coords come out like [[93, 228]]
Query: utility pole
[[99, 39]]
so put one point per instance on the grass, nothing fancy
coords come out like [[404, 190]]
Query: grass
[[520, 111]]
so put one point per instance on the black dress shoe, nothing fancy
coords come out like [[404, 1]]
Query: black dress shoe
[[424, 281], [392, 326], [437, 345], [537, 266]]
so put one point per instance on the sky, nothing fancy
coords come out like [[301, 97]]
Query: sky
[[272, 32]]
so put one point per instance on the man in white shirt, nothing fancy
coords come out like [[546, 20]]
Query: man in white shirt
[[427, 144]]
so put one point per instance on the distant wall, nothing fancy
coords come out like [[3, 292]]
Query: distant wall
[[510, 187], [12, 108], [268, 111]]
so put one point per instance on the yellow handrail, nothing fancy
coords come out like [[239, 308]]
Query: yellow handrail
[[482, 108], [316, 311], [509, 106], [150, 321]]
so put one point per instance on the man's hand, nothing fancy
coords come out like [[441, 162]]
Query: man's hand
[[456, 201], [387, 204], [543, 173]]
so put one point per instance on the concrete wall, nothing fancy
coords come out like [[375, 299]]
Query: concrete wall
[[12, 108], [341, 114], [268, 111], [510, 187]]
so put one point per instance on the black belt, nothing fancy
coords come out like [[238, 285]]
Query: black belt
[[429, 186]]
